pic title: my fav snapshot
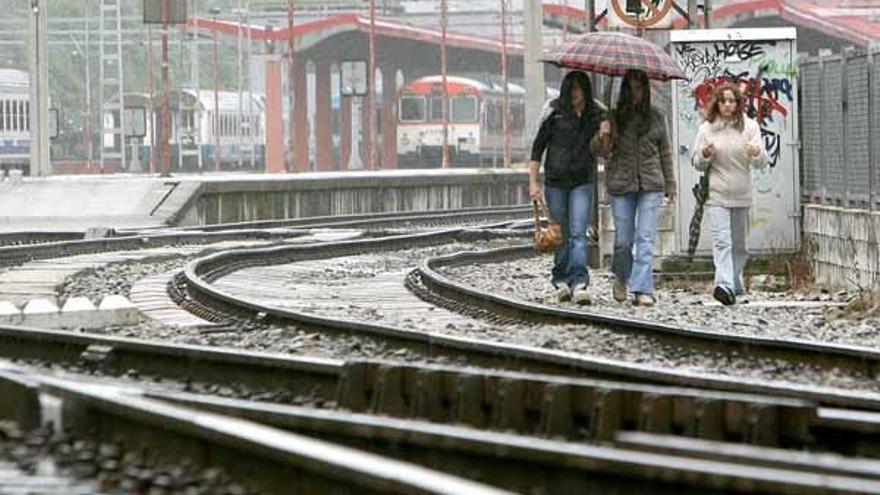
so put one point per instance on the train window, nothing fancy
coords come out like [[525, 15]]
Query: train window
[[436, 109], [464, 109], [412, 109], [24, 115], [3, 114]]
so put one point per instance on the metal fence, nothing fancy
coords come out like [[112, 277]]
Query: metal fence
[[840, 129]]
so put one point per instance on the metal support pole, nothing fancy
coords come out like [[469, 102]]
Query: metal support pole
[[590, 7], [181, 43], [291, 67], [216, 132], [251, 128], [533, 69], [591, 15], [505, 102], [444, 151], [371, 96], [565, 20], [238, 128], [872, 129], [166, 115], [152, 109], [39, 82], [707, 14], [692, 14], [197, 83], [87, 115]]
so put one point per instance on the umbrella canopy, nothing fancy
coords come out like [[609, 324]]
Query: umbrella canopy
[[613, 53]]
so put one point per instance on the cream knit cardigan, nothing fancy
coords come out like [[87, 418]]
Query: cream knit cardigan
[[730, 178]]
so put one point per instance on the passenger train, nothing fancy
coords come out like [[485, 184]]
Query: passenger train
[[192, 137], [15, 135], [475, 132]]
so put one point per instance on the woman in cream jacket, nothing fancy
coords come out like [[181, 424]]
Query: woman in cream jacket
[[728, 146]]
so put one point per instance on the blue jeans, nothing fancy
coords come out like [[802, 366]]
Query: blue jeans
[[729, 228], [573, 209], [635, 221]]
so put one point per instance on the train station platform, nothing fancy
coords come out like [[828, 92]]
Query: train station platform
[[77, 203]]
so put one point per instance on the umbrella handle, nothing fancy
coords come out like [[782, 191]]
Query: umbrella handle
[[609, 84]]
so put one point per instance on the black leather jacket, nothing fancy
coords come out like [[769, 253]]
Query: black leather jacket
[[566, 138]]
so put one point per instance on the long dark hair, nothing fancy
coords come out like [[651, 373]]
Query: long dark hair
[[626, 107], [580, 78]]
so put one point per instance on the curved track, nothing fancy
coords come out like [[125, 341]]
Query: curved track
[[199, 284]]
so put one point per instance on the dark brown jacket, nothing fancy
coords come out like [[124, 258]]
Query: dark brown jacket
[[641, 160]]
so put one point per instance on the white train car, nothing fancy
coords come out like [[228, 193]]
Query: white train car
[[192, 130], [241, 134], [15, 137], [475, 135]]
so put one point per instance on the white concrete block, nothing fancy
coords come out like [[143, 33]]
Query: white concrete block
[[39, 306], [9, 309], [115, 301], [78, 303]]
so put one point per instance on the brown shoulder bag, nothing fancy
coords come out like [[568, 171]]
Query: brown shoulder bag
[[548, 238]]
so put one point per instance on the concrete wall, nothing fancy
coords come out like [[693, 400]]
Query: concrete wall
[[666, 238], [846, 245], [305, 195]]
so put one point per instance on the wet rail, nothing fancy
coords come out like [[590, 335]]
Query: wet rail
[[374, 220], [441, 415], [197, 290], [539, 405], [269, 459], [40, 246]]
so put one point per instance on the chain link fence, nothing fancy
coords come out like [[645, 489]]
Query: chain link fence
[[840, 129]]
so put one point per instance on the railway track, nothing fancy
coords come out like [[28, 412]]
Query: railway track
[[565, 420], [19, 248], [444, 415], [407, 219], [269, 459], [204, 278]]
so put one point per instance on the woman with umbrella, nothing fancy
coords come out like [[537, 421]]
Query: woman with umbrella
[[638, 172], [569, 175], [638, 150]]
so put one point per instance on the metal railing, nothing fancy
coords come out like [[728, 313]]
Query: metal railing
[[840, 129]]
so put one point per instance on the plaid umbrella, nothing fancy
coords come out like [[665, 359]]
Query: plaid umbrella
[[613, 53]]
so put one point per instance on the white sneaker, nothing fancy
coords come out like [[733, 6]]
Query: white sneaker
[[581, 296], [563, 292], [646, 300]]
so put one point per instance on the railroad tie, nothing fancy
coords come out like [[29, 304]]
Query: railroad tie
[[606, 413], [762, 425], [655, 413], [394, 387], [433, 400], [355, 387], [471, 404], [708, 420], [557, 419], [509, 405]]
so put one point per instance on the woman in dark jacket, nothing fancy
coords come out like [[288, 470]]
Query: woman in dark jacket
[[638, 172], [569, 176]]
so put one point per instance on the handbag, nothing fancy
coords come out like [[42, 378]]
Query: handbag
[[549, 237]]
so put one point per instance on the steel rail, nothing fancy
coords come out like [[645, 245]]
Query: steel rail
[[200, 273]]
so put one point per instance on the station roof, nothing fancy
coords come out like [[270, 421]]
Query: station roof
[[855, 21], [311, 33]]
